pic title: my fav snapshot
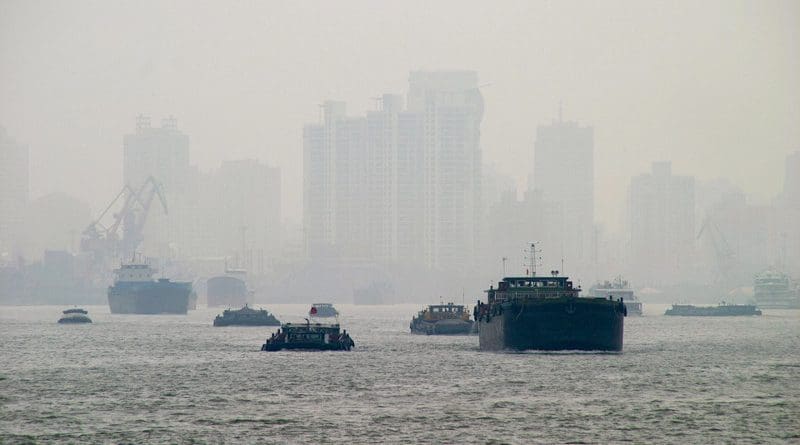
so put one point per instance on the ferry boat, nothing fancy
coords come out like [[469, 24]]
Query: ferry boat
[[323, 310], [309, 336], [442, 319], [723, 310], [136, 292], [546, 313], [76, 315], [246, 316], [618, 288], [773, 290]]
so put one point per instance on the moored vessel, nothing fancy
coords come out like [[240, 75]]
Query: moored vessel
[[246, 316], [309, 336], [442, 319], [323, 310], [547, 313], [618, 288], [773, 290], [722, 310], [229, 289], [136, 292], [75, 315]]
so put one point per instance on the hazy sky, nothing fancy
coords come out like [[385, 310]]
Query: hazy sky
[[713, 86]]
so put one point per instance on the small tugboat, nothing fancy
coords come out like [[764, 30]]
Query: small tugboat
[[618, 288], [76, 315], [246, 316], [723, 310], [323, 310], [309, 336], [442, 319]]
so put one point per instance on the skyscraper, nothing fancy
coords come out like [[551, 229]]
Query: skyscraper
[[662, 225], [399, 184], [163, 153], [563, 171], [450, 105], [13, 191]]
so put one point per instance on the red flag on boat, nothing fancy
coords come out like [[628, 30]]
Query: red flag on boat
[[313, 310]]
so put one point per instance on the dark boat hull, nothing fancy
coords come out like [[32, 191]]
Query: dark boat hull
[[307, 346], [74, 320], [588, 324], [219, 322], [719, 311], [149, 297]]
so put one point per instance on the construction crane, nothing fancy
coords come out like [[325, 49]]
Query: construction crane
[[724, 254], [105, 241]]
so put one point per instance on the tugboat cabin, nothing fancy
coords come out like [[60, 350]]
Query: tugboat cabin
[[441, 311]]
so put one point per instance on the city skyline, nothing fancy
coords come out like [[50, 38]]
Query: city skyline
[[740, 101]]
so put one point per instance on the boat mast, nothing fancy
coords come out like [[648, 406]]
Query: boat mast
[[533, 259]]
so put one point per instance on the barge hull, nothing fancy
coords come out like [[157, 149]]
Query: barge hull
[[565, 324]]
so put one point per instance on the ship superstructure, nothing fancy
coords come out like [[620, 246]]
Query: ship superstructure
[[618, 288], [773, 290], [246, 316]]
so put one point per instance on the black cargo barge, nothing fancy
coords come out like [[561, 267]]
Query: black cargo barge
[[546, 313], [723, 310]]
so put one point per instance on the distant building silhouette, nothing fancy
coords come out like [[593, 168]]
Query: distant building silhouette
[[14, 190], [398, 184], [563, 171], [662, 225], [163, 152], [788, 218]]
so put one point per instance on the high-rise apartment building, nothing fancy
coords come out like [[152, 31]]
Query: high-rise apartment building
[[13, 191], [401, 184], [451, 107], [563, 171], [787, 241], [163, 153], [662, 226]]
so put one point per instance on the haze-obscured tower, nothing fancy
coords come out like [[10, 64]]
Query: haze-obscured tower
[[163, 152], [450, 106], [788, 218], [398, 185], [14, 190], [563, 171], [662, 226]]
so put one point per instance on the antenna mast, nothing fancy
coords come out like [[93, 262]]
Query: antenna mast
[[533, 259]]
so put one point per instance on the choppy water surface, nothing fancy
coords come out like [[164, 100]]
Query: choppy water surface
[[177, 379]]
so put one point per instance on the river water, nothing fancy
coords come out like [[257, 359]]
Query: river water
[[176, 379]]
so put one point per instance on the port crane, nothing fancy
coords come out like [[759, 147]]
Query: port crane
[[105, 241], [725, 256]]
